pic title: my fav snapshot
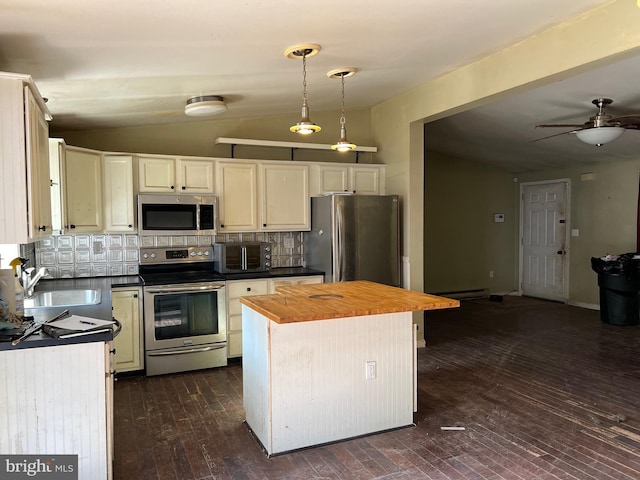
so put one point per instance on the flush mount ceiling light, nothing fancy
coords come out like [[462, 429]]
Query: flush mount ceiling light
[[342, 145], [205, 106], [304, 126], [598, 136]]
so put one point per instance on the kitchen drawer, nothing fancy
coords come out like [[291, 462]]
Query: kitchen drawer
[[246, 288]]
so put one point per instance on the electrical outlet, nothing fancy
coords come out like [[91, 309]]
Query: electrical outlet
[[370, 370], [288, 242], [490, 273]]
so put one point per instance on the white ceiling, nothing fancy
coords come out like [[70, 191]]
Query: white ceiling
[[135, 62]]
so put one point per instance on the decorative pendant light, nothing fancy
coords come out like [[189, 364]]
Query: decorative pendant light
[[342, 145], [304, 126]]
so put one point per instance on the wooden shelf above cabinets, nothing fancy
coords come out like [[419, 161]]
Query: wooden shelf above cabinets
[[291, 145]]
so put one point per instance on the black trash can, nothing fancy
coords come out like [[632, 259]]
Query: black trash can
[[619, 282]]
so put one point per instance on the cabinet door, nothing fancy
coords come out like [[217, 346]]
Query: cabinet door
[[235, 290], [237, 184], [157, 174], [39, 179], [195, 176], [83, 190], [365, 180], [329, 178], [128, 344], [285, 202], [118, 193]]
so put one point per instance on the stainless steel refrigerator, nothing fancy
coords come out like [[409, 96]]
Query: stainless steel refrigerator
[[355, 237]]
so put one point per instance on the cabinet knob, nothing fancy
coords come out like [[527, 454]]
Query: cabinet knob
[[72, 226], [130, 226], [221, 225], [43, 228], [113, 351], [264, 224], [172, 187], [184, 188], [248, 289], [135, 295]]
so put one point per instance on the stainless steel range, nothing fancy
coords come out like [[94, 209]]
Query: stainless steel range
[[184, 310]]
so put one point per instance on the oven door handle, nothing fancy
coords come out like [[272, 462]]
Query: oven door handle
[[184, 289], [189, 350]]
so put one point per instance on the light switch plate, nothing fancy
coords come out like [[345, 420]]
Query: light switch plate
[[498, 217]]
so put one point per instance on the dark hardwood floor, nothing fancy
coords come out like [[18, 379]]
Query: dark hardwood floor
[[543, 391]]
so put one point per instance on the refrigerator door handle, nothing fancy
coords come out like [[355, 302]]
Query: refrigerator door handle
[[340, 266], [243, 258]]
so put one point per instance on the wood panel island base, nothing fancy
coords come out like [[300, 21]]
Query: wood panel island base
[[331, 361]]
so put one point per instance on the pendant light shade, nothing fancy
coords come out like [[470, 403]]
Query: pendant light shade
[[305, 126], [342, 145]]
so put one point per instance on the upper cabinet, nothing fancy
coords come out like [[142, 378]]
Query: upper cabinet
[[284, 197], [237, 187], [262, 196], [25, 214], [168, 174], [82, 190], [118, 193], [358, 179]]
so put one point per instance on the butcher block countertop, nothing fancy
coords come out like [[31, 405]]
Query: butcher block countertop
[[302, 303]]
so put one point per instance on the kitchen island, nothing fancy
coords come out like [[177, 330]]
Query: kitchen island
[[331, 361]]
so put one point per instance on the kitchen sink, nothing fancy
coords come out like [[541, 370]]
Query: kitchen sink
[[63, 298]]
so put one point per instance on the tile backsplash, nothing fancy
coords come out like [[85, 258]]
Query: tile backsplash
[[106, 255]]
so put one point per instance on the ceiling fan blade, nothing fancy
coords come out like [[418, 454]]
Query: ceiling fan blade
[[560, 125], [556, 135]]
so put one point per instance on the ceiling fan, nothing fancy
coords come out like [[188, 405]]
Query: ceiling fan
[[601, 128]]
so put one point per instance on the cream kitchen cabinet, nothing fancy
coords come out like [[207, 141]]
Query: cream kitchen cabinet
[[285, 203], [127, 309], [119, 196], [357, 179], [235, 290], [24, 161], [82, 190], [237, 187], [175, 174], [256, 196]]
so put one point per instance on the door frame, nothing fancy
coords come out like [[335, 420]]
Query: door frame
[[567, 234]]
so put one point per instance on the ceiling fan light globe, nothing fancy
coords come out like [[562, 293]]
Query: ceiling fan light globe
[[599, 135]]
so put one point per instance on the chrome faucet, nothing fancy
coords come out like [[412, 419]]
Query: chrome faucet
[[29, 282]]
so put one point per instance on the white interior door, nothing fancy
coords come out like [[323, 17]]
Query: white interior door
[[543, 249]]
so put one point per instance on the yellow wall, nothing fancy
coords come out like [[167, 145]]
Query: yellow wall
[[462, 242]]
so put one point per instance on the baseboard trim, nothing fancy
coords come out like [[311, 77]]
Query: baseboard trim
[[590, 306]]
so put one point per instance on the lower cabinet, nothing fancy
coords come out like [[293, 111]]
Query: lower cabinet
[[235, 290], [126, 304], [246, 288]]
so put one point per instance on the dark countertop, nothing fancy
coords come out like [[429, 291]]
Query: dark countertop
[[274, 273], [101, 310]]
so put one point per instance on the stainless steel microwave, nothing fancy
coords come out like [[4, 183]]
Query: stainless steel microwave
[[177, 214], [242, 257]]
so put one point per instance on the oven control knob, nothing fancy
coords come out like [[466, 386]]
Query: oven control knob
[[145, 255], [206, 253], [200, 253], [152, 254], [193, 254]]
